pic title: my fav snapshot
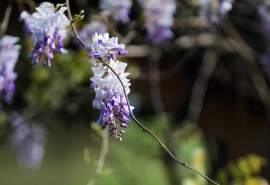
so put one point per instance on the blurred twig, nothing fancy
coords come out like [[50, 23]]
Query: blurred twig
[[250, 63], [6, 18], [200, 86], [253, 70], [101, 158]]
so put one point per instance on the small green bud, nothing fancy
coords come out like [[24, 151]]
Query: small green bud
[[58, 6]]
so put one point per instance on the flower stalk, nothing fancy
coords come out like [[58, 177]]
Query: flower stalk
[[128, 104]]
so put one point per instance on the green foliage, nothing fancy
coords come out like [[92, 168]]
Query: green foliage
[[192, 150], [50, 87], [244, 171], [79, 17]]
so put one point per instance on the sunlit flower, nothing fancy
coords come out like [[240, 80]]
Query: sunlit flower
[[110, 97], [104, 47], [48, 29], [9, 53]]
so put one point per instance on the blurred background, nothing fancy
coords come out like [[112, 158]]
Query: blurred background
[[203, 90]]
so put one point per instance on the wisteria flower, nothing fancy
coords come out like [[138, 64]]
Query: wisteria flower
[[158, 16], [120, 9], [110, 97], [104, 47], [48, 29], [214, 10], [27, 139], [9, 53], [90, 29], [28, 21]]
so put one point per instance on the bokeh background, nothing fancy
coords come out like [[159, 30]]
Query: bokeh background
[[204, 92]]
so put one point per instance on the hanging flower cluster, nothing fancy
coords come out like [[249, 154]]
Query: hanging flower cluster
[[90, 29], [120, 9], [9, 53], [110, 97], [158, 19], [28, 141], [214, 10], [104, 47], [48, 29]]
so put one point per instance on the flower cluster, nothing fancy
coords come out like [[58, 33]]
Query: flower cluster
[[110, 97], [214, 10], [9, 53], [104, 47], [159, 18], [120, 9], [48, 29], [28, 141], [90, 29]]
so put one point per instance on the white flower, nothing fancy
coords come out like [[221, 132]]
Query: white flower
[[104, 47], [48, 29]]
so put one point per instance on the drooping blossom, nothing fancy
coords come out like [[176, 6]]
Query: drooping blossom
[[110, 97], [104, 47], [27, 139], [158, 15], [213, 11], [9, 53], [120, 9], [90, 29], [48, 29]]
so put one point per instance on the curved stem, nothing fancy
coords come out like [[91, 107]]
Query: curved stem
[[101, 158], [132, 115], [72, 24]]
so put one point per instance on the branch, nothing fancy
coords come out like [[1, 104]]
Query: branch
[[133, 117], [246, 53], [6, 19], [101, 158], [76, 35], [200, 86]]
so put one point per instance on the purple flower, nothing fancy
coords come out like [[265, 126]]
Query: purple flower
[[158, 19], [28, 140], [90, 29], [110, 98], [104, 47], [9, 53], [120, 9], [48, 29]]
